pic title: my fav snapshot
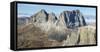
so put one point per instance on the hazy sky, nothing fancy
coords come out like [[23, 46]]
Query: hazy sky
[[30, 9]]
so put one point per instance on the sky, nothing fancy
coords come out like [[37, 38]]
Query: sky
[[30, 9]]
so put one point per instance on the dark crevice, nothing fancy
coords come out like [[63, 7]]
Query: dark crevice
[[78, 41]]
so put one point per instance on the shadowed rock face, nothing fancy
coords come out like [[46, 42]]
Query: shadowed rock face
[[72, 19]]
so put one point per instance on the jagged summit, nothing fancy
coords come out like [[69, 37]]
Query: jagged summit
[[68, 19], [42, 10], [41, 16]]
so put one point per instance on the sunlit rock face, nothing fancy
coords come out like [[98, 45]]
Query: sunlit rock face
[[52, 18], [40, 17]]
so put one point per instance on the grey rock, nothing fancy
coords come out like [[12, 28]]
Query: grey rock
[[40, 16], [58, 36], [68, 19], [72, 19], [52, 18]]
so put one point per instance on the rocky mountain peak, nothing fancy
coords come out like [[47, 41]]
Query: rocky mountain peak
[[43, 11], [41, 16], [66, 19], [72, 19]]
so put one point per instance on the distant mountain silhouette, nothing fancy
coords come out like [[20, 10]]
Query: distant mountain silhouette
[[23, 20]]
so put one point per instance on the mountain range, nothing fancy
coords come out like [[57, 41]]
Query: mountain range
[[67, 19]]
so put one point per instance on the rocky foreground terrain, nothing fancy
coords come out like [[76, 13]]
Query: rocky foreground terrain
[[47, 30]]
